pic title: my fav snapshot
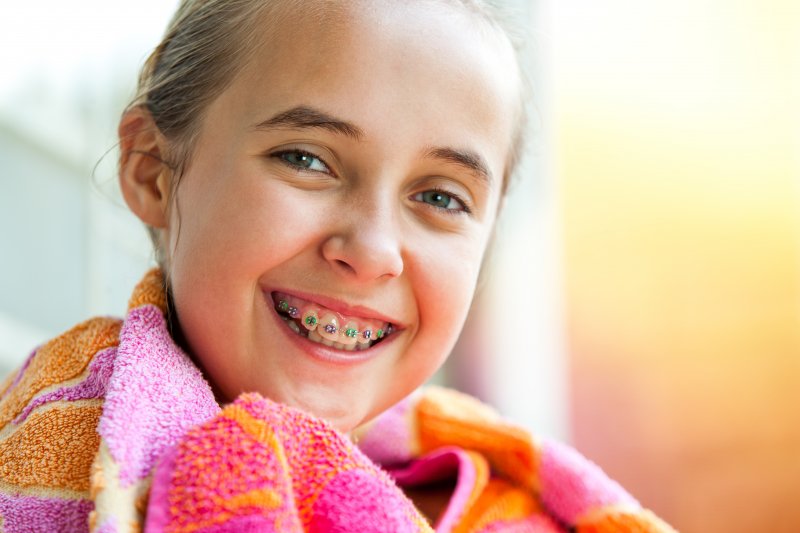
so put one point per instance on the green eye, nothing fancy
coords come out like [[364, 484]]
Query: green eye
[[441, 200], [436, 198], [303, 160]]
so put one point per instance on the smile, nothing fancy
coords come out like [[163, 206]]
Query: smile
[[324, 326]]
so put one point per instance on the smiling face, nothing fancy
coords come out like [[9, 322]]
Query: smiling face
[[351, 172]]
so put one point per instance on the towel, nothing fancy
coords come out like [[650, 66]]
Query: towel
[[110, 427]]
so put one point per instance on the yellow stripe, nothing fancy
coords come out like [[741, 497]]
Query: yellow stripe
[[43, 492]]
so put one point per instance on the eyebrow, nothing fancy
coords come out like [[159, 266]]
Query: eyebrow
[[467, 159], [301, 117]]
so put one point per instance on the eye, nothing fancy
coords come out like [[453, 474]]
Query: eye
[[302, 160], [442, 200]]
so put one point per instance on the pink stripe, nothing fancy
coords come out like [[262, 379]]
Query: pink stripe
[[572, 485], [359, 500], [158, 512], [93, 386], [23, 514], [441, 464], [388, 439]]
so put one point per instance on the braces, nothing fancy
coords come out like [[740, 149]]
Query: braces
[[312, 320]]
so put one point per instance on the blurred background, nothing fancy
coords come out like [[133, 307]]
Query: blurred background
[[643, 299]]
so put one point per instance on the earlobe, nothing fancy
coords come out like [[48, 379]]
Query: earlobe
[[144, 177]]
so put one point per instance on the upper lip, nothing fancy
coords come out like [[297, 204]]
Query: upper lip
[[348, 310]]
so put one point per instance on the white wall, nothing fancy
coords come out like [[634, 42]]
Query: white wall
[[68, 250]]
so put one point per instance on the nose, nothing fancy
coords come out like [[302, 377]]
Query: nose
[[364, 246]]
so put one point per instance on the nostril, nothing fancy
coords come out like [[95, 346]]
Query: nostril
[[345, 265]]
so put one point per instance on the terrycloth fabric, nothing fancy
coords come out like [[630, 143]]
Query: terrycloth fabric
[[110, 428], [504, 478]]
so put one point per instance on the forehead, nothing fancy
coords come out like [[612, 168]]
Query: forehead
[[429, 69]]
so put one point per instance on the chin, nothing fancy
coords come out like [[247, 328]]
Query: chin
[[342, 422], [341, 414], [343, 425]]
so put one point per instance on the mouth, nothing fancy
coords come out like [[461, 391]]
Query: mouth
[[324, 326]]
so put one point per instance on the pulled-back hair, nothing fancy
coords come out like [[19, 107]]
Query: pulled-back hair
[[208, 42]]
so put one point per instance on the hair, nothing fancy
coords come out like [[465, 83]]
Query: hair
[[208, 42]]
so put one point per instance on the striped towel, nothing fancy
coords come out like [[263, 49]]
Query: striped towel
[[110, 427]]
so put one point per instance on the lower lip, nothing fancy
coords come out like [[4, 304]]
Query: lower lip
[[326, 353]]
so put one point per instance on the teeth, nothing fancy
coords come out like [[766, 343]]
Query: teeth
[[349, 334], [329, 327], [364, 337], [310, 319], [315, 336]]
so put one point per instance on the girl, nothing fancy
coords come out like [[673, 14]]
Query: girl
[[321, 180]]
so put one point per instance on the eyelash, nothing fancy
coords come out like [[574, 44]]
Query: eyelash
[[466, 209], [296, 151]]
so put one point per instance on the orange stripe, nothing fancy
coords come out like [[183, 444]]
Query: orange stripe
[[262, 498], [499, 501], [61, 359], [227, 509], [52, 449], [149, 291], [450, 418], [258, 429]]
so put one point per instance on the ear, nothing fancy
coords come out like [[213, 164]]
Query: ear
[[144, 177]]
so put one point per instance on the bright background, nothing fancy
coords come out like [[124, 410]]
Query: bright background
[[677, 138], [643, 301]]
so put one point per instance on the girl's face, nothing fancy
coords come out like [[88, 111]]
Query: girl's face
[[351, 173]]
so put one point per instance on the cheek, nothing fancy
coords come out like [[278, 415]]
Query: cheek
[[445, 291], [243, 230]]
